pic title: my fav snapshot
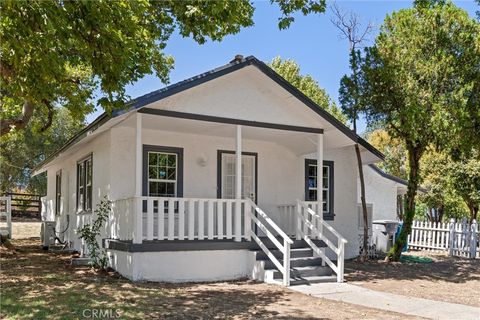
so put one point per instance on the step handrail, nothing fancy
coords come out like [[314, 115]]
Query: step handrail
[[338, 249], [285, 248]]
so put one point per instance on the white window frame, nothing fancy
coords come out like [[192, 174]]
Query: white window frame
[[84, 204], [175, 181]]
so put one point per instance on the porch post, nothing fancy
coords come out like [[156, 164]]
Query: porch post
[[238, 184], [320, 187], [320, 175], [137, 218]]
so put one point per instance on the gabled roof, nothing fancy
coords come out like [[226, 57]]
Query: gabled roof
[[186, 84], [393, 178]]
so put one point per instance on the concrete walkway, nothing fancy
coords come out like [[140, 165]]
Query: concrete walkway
[[388, 301]]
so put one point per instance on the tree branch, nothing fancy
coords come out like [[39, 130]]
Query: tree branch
[[51, 112], [19, 123]]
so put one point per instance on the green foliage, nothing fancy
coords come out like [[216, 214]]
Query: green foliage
[[394, 150], [290, 71], [59, 53], [91, 232], [350, 92], [22, 150], [441, 195], [421, 78], [466, 180]]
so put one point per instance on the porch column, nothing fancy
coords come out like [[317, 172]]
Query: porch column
[[320, 175], [320, 187], [238, 184], [137, 218]]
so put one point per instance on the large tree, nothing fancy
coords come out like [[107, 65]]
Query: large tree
[[352, 30], [421, 78], [22, 150], [58, 53], [290, 71]]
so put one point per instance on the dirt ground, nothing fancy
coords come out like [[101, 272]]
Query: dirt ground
[[39, 285], [24, 230], [449, 279]]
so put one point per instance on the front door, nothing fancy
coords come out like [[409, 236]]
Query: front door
[[226, 175]]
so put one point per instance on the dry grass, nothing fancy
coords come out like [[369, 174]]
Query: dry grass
[[40, 285], [449, 279], [24, 230]]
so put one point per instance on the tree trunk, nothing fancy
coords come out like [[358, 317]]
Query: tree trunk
[[440, 213], [414, 155], [364, 255], [400, 207], [473, 211]]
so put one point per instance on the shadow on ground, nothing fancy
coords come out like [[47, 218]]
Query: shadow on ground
[[444, 268], [37, 285]]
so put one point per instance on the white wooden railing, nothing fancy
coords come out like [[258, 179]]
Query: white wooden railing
[[166, 218], [265, 223], [311, 225], [290, 219]]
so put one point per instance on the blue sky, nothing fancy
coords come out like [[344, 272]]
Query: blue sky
[[312, 41]]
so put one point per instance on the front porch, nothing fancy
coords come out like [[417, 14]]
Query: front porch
[[263, 200], [234, 237]]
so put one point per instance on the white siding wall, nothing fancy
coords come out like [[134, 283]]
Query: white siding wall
[[176, 266], [381, 193], [100, 150]]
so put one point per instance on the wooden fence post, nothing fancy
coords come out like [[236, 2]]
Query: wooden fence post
[[452, 237], [473, 239]]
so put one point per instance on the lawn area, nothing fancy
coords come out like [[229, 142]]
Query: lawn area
[[40, 285], [449, 279]]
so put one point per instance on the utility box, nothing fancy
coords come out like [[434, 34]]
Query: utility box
[[383, 233], [47, 234]]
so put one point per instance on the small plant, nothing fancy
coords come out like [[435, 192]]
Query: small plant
[[90, 232]]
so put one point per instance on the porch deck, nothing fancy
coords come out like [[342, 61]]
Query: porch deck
[[199, 245]]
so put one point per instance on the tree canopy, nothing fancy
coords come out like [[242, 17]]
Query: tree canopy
[[290, 71], [70, 53], [22, 150], [421, 78]]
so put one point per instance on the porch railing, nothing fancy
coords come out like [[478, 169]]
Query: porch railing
[[290, 219], [166, 218], [265, 223], [312, 225]]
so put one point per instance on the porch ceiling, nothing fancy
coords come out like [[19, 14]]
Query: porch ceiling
[[298, 142]]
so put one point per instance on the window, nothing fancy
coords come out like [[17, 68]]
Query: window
[[226, 171], [163, 171], [58, 192], [162, 174], [84, 184], [311, 188]]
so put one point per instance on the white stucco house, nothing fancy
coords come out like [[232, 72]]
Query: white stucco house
[[181, 212]]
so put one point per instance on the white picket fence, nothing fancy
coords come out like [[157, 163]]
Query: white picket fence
[[458, 238]]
